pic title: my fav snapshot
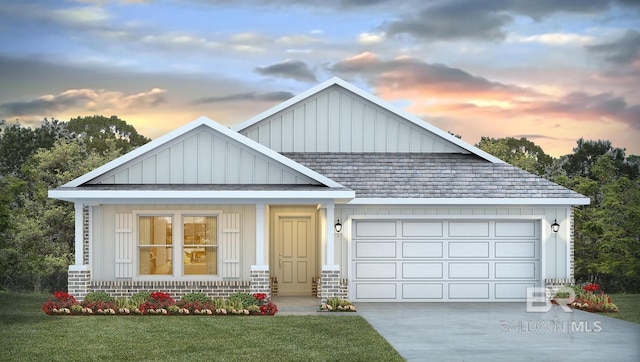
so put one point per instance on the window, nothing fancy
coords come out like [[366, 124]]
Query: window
[[200, 245], [155, 245], [190, 250]]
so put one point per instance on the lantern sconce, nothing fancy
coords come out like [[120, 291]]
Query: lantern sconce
[[555, 226], [338, 226]]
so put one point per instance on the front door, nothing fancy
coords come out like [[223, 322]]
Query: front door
[[294, 253]]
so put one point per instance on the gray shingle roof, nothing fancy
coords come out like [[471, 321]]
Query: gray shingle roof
[[429, 175]]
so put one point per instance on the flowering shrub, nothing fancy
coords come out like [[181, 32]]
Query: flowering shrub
[[60, 303], [591, 288], [268, 308], [337, 305], [157, 303], [591, 299]]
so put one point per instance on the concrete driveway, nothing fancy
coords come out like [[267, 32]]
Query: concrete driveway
[[500, 332]]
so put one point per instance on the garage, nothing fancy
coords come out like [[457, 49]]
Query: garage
[[451, 260]]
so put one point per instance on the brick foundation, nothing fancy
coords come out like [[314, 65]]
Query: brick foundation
[[260, 281], [79, 282], [177, 289], [331, 286], [552, 285]]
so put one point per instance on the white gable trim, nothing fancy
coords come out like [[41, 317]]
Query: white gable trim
[[370, 97], [202, 121], [471, 201], [159, 197]]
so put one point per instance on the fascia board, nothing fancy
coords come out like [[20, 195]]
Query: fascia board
[[97, 195], [471, 201], [370, 97]]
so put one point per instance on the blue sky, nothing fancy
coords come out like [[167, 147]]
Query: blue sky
[[551, 71]]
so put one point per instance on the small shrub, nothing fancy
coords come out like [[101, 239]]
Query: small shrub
[[59, 303], [195, 297], [139, 298], [245, 299], [98, 297]]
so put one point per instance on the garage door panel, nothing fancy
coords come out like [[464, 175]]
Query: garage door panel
[[422, 290], [469, 228], [371, 270], [512, 290], [377, 291], [469, 291], [422, 270], [515, 270], [515, 228], [468, 249], [422, 228], [468, 270], [414, 249], [506, 249], [376, 229], [375, 249]]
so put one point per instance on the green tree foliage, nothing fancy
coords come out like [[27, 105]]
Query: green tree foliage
[[36, 232], [521, 153], [606, 232], [97, 130], [17, 143], [586, 154]]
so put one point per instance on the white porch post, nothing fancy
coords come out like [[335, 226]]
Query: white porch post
[[79, 240], [259, 275], [260, 235], [330, 245]]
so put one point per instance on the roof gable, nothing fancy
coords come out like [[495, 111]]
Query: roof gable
[[202, 152], [336, 116]]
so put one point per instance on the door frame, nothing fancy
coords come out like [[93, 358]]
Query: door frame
[[297, 211]]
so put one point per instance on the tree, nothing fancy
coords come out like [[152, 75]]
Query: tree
[[17, 143], [607, 232], [98, 129], [521, 153], [586, 153]]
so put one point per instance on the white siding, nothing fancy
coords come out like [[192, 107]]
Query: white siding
[[204, 157], [337, 120], [237, 243]]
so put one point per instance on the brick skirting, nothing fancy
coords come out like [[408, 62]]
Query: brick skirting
[[177, 289]]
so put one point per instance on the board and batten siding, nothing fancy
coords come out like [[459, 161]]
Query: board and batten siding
[[203, 157], [338, 120], [113, 241], [556, 257]]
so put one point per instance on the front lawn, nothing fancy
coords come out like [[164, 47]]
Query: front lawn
[[26, 333], [628, 306]]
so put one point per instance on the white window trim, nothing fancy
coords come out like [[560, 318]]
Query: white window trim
[[177, 243]]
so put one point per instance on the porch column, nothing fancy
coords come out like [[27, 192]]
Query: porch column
[[260, 237], [79, 275], [259, 275], [79, 231], [330, 248]]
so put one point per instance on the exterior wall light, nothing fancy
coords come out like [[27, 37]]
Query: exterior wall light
[[338, 226], [555, 226]]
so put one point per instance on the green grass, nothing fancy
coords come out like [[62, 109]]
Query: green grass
[[628, 306], [26, 333]]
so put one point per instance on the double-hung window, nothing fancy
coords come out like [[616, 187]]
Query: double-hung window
[[178, 245]]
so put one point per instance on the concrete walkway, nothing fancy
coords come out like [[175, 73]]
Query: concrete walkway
[[500, 332]]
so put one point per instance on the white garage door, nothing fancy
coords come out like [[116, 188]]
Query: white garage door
[[444, 260]]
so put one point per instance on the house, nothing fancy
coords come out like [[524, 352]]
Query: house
[[334, 192]]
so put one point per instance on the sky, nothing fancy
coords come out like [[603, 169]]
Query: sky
[[547, 70]]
